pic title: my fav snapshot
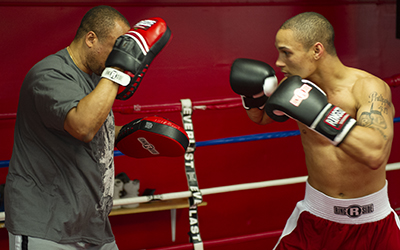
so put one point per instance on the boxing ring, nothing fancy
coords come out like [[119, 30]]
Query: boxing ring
[[219, 104], [209, 105]]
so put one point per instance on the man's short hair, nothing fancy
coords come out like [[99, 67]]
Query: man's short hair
[[101, 20], [311, 27]]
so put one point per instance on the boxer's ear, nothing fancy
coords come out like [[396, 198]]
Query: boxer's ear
[[318, 50]]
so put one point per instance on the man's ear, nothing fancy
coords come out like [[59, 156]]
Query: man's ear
[[90, 39], [318, 50]]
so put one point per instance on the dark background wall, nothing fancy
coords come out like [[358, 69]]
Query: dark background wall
[[207, 37]]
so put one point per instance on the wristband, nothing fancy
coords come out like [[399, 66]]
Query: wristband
[[116, 76]]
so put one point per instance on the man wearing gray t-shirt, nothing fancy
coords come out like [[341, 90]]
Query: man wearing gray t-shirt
[[60, 182]]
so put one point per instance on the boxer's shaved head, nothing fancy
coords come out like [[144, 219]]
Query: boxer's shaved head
[[309, 28], [101, 20]]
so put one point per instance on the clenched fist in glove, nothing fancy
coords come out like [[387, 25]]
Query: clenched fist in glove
[[305, 102], [254, 81]]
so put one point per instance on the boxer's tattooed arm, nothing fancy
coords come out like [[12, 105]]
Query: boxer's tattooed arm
[[375, 117]]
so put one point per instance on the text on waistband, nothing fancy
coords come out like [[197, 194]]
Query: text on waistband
[[354, 211]]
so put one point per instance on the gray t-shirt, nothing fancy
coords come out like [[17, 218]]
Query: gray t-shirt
[[59, 188]]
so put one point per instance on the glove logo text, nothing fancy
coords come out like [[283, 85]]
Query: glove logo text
[[145, 24], [148, 146], [148, 125], [336, 118], [300, 94], [113, 74]]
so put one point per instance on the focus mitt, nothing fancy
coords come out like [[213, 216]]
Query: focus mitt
[[150, 137], [135, 50]]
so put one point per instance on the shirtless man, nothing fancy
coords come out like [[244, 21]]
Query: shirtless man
[[346, 187]]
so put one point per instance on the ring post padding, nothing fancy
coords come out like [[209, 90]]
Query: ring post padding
[[196, 197]]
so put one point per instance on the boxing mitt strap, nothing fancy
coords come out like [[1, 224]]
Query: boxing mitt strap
[[116, 76]]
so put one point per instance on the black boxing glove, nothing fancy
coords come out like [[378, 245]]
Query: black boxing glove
[[305, 102], [253, 80], [124, 56]]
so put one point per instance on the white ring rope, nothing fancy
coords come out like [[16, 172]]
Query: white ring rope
[[217, 190], [225, 189]]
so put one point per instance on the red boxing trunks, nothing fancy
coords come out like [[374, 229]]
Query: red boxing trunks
[[322, 222]]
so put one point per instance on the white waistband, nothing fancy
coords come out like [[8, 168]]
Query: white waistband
[[361, 210]]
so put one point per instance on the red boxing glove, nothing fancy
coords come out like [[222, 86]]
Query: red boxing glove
[[134, 51]]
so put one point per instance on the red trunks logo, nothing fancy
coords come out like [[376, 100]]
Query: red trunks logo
[[354, 211]]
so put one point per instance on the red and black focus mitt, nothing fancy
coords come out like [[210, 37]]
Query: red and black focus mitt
[[133, 52], [152, 136]]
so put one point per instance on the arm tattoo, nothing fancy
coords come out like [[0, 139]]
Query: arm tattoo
[[374, 118]]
